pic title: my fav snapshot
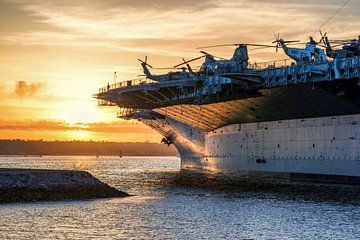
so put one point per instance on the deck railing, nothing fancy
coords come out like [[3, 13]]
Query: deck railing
[[252, 66], [126, 83], [271, 64]]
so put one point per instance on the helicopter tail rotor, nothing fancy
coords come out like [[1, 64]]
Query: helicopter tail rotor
[[145, 62], [279, 41], [323, 37], [188, 66]]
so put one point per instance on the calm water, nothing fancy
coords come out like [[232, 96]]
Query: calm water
[[164, 209]]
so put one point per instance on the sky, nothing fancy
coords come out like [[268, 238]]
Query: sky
[[54, 55]]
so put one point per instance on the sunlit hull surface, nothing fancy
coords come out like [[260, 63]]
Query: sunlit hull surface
[[295, 144], [315, 149], [298, 122]]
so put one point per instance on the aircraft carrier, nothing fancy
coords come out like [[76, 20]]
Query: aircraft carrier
[[297, 119]]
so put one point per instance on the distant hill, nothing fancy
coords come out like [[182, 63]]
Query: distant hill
[[31, 147]]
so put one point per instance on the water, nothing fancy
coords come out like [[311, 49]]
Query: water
[[163, 208]]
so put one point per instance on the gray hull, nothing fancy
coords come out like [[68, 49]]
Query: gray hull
[[313, 149], [299, 121]]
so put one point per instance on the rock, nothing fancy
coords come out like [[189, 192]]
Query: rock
[[21, 185]]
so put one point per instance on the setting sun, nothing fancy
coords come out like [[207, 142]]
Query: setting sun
[[80, 112], [79, 135], [55, 56]]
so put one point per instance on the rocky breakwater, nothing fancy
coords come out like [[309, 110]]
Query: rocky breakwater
[[25, 185]]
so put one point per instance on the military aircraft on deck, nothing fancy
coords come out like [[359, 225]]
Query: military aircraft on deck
[[236, 67], [171, 76], [311, 53], [237, 63], [349, 48]]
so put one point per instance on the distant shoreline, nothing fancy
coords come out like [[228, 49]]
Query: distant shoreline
[[39, 148], [79, 155]]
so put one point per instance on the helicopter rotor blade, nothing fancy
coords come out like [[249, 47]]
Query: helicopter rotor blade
[[265, 47], [274, 46], [287, 41], [276, 37], [257, 45], [234, 44], [292, 41], [164, 68], [208, 54], [191, 60], [188, 66], [277, 41], [205, 53], [341, 41], [323, 36], [219, 45], [147, 63]]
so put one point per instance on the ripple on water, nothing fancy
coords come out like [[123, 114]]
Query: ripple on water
[[167, 205]]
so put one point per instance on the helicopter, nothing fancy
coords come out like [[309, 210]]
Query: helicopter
[[349, 47], [237, 63], [209, 60], [311, 53], [236, 67], [171, 76], [353, 46]]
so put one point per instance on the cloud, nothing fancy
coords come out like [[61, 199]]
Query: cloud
[[57, 130], [168, 28], [124, 127], [109, 5], [98, 127], [186, 19], [34, 126], [25, 89]]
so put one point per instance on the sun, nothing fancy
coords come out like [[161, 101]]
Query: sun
[[79, 135], [78, 112]]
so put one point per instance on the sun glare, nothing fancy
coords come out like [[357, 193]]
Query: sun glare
[[79, 135], [79, 112]]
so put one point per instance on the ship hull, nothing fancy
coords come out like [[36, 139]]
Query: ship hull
[[291, 122], [325, 149]]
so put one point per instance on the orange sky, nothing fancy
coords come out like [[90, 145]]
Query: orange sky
[[55, 54]]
